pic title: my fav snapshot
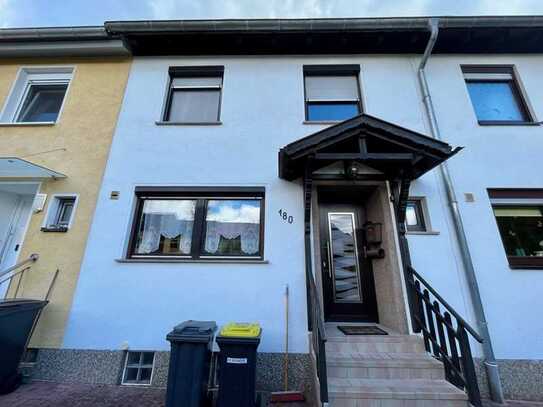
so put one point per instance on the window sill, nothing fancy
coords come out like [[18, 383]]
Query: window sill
[[221, 261], [322, 121], [26, 124], [429, 233], [506, 123], [525, 263], [160, 123], [57, 229]]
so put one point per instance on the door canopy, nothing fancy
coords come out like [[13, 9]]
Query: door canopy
[[363, 147]]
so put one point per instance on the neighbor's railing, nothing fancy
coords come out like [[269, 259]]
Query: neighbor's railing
[[318, 337], [445, 335], [16, 270]]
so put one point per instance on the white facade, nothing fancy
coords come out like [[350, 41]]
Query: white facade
[[262, 109]]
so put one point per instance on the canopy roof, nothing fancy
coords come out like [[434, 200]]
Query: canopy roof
[[13, 167], [393, 151]]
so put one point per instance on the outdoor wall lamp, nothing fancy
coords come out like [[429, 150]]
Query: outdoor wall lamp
[[374, 238]]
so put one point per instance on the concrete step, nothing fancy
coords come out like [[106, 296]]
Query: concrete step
[[373, 344], [352, 392], [385, 366], [373, 338]]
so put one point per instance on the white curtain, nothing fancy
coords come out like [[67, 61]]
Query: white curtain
[[169, 219], [249, 233]]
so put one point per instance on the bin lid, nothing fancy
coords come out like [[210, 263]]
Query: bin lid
[[193, 331], [241, 330]]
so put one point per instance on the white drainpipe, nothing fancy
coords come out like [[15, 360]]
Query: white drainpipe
[[494, 383]]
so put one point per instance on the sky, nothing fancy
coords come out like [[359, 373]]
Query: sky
[[49, 13]]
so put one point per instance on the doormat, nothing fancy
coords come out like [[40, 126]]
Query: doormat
[[361, 330]]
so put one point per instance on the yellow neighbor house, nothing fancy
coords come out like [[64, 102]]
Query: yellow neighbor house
[[60, 93]]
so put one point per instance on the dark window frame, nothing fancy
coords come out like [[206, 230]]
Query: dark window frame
[[516, 262], [62, 202], [332, 71], [193, 72], [422, 224], [516, 90], [202, 195]]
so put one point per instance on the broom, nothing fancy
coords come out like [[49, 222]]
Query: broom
[[286, 396]]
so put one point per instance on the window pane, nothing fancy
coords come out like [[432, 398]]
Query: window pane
[[331, 88], [194, 106], [42, 103], [411, 215], [65, 211], [521, 230], [145, 375], [165, 227], [233, 228], [133, 358], [147, 358], [131, 374], [331, 111], [495, 101]]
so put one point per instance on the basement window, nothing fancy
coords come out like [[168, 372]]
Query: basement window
[[519, 217], [496, 95], [138, 368], [332, 92], [60, 214], [37, 96]]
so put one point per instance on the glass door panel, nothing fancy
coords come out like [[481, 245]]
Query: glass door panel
[[344, 257]]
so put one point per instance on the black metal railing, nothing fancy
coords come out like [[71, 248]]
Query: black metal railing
[[445, 335], [318, 338]]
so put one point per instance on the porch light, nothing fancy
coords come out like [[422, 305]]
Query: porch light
[[352, 169]]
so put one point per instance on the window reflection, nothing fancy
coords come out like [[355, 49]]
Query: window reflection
[[232, 228]]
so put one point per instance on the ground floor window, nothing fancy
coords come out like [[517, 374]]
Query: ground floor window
[[198, 223], [414, 215], [519, 216]]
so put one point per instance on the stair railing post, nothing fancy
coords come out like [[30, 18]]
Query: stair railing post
[[468, 368]]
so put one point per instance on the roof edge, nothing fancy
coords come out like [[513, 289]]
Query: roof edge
[[318, 24]]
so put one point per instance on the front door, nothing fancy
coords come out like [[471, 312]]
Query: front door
[[348, 286]]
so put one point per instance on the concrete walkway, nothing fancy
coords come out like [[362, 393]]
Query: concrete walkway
[[47, 394]]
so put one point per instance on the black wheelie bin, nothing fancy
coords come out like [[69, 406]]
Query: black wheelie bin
[[190, 359], [17, 317]]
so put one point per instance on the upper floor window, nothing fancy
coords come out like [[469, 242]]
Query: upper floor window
[[198, 223], [519, 216], [194, 95], [332, 92], [496, 95], [37, 96]]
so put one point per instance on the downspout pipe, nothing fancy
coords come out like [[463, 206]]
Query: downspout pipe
[[491, 367]]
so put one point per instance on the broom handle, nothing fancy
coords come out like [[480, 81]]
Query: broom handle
[[286, 338]]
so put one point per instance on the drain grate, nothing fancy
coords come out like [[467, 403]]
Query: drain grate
[[361, 330]]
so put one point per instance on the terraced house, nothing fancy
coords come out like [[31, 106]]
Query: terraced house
[[60, 94], [386, 171]]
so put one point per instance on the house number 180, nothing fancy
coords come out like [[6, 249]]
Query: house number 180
[[285, 216]]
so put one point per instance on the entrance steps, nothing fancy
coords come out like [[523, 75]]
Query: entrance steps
[[385, 371]]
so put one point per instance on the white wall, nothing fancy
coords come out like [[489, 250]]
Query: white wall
[[262, 110]]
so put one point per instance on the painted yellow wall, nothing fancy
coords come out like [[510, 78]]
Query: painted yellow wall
[[84, 131]]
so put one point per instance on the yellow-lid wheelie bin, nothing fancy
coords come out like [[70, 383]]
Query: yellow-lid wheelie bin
[[238, 343]]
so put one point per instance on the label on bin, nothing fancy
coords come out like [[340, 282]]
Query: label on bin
[[237, 361]]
